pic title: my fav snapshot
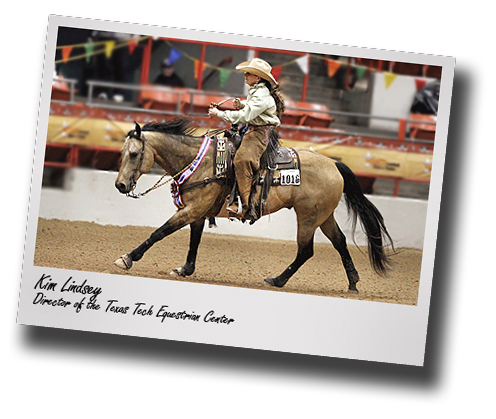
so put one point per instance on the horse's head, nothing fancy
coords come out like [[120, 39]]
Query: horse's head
[[136, 158]]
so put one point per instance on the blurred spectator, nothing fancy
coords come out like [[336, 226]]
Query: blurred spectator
[[168, 76], [114, 68], [427, 100]]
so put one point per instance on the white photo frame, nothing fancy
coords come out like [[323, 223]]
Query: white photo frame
[[248, 318]]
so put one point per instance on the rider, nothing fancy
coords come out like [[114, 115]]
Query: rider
[[261, 113]]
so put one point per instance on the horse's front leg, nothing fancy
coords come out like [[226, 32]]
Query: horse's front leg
[[305, 237], [176, 222], [194, 241]]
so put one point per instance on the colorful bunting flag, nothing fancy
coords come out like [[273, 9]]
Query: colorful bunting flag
[[109, 48], [360, 71], [276, 72], [420, 83], [89, 48], [389, 78], [66, 53], [174, 55], [198, 71], [224, 75], [132, 45], [303, 63], [332, 67]]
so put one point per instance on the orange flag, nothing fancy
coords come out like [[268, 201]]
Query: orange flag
[[132, 45], [419, 83], [66, 53], [198, 71], [332, 67]]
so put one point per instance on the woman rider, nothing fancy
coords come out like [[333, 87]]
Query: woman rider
[[261, 113]]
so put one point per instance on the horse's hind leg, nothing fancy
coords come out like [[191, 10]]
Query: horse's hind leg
[[196, 230], [332, 231]]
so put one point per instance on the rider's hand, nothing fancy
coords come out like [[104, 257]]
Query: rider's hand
[[213, 111], [237, 103]]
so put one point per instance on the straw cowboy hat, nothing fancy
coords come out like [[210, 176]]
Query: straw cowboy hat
[[258, 67]]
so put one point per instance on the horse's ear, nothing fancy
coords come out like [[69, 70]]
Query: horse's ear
[[137, 128]]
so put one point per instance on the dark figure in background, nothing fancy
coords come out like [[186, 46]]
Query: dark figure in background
[[427, 100], [168, 76], [113, 69]]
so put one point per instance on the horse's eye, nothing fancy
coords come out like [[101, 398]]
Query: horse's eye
[[133, 155]]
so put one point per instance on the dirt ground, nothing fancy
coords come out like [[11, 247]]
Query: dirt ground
[[224, 261]]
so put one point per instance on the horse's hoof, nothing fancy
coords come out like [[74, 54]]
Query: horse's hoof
[[353, 289], [273, 282], [177, 272], [124, 262]]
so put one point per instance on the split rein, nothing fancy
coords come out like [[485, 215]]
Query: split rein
[[158, 184]]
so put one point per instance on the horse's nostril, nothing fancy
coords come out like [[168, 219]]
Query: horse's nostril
[[121, 187]]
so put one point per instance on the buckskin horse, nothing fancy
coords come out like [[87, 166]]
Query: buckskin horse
[[174, 148]]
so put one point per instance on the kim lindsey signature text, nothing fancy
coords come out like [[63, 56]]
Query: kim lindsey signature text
[[113, 306]]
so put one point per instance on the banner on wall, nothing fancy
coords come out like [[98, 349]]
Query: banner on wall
[[363, 161], [374, 162]]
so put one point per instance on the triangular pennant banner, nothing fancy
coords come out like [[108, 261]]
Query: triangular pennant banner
[[89, 50], [132, 45], [109, 48], [303, 63], [332, 67], [276, 72], [198, 71], [389, 78], [420, 83], [224, 75], [66, 53], [174, 55], [360, 71]]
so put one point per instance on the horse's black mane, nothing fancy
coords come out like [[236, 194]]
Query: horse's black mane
[[177, 126]]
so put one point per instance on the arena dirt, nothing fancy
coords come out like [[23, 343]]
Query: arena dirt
[[224, 261]]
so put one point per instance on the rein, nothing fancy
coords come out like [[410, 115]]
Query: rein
[[131, 194]]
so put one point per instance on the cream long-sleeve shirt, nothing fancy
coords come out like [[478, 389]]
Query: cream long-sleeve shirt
[[259, 108]]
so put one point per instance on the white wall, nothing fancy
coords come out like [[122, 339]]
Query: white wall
[[392, 101], [91, 196]]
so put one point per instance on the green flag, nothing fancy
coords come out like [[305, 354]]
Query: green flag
[[360, 71], [89, 50], [224, 75]]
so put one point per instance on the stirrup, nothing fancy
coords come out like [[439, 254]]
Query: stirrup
[[233, 209]]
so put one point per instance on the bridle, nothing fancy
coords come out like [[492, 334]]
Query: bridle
[[136, 134]]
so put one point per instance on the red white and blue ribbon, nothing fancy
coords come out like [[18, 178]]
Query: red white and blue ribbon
[[175, 185]]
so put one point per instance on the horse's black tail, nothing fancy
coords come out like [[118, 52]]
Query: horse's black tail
[[370, 218]]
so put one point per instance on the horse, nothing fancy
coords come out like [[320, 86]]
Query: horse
[[173, 146]]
